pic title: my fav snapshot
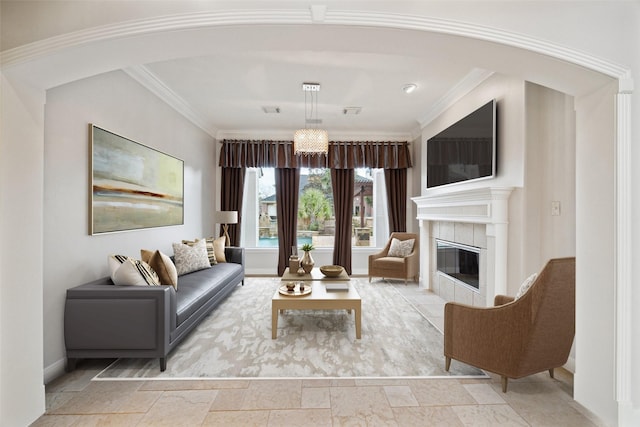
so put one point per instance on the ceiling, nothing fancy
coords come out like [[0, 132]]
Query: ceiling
[[221, 77], [245, 69]]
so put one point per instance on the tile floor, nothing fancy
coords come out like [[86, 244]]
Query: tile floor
[[75, 400]]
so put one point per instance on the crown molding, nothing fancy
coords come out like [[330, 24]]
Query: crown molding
[[196, 20], [469, 82], [149, 80]]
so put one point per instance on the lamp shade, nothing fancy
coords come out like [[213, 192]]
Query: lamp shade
[[227, 217]]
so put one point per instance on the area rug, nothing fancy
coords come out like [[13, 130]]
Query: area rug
[[234, 341]]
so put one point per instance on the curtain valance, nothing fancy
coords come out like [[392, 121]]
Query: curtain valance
[[341, 155]]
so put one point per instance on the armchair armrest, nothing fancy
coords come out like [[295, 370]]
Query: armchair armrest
[[502, 300], [489, 338]]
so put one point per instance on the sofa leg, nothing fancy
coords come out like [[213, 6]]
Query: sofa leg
[[505, 380], [163, 364], [447, 363], [369, 279], [551, 373]]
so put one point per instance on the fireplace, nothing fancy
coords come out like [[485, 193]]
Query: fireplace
[[460, 262], [475, 219]]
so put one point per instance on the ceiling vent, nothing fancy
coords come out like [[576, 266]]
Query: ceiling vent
[[270, 109], [351, 111]]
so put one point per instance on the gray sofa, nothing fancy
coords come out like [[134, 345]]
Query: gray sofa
[[102, 320]]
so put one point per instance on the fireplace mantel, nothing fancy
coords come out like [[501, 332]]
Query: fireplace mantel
[[489, 206], [481, 205]]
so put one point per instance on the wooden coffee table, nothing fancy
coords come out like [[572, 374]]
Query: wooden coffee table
[[318, 299]]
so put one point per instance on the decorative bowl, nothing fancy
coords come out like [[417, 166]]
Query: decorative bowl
[[331, 270]]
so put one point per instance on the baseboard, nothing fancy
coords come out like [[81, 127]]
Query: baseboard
[[570, 365], [54, 370]]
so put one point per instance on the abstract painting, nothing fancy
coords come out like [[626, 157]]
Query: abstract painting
[[132, 186]]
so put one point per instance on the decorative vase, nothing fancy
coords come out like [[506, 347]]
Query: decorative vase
[[307, 262]]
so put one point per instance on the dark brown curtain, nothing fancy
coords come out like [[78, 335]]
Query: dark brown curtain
[[342, 182], [396, 183], [287, 184], [266, 154], [341, 155], [231, 189]]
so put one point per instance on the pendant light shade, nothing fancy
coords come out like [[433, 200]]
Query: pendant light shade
[[310, 141]]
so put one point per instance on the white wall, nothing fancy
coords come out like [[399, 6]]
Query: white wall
[[550, 175], [594, 380], [71, 256], [21, 175], [509, 93]]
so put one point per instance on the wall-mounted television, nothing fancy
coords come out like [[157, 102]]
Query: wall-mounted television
[[464, 151]]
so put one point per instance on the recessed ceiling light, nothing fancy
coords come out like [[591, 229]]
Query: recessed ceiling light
[[409, 87], [351, 110]]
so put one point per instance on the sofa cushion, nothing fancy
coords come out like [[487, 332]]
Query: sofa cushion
[[389, 262], [191, 258], [161, 264], [197, 288]]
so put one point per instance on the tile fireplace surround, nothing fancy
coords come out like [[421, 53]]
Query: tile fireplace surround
[[477, 217]]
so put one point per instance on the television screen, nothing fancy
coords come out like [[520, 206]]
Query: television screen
[[465, 150]]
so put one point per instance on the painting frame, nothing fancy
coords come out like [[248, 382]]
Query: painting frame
[[132, 186]]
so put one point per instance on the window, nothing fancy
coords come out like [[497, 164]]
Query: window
[[316, 220]]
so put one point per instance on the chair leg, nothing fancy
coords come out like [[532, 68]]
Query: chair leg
[[551, 373], [504, 384], [447, 363]]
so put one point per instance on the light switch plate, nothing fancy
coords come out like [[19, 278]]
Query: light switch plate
[[555, 208]]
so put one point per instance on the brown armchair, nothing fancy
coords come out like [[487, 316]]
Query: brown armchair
[[381, 265], [519, 337]]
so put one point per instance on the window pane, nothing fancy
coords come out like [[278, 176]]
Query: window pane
[[316, 217], [267, 220], [316, 220], [363, 203]]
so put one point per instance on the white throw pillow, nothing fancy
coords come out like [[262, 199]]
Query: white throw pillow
[[191, 258], [526, 285], [401, 248], [131, 272]]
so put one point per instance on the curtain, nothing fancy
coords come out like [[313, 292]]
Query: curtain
[[341, 155], [287, 185], [231, 189], [396, 182], [342, 182]]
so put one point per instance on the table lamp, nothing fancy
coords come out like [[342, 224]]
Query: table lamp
[[225, 218]]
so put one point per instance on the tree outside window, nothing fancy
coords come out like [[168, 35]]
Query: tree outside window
[[316, 220]]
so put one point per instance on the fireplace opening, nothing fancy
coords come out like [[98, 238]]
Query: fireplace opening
[[460, 262]]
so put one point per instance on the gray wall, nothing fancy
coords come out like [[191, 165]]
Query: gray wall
[[117, 103]]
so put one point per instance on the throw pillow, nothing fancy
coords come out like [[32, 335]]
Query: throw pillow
[[191, 258], [526, 285], [114, 262], [401, 248], [132, 272], [162, 265], [211, 251], [218, 248]]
